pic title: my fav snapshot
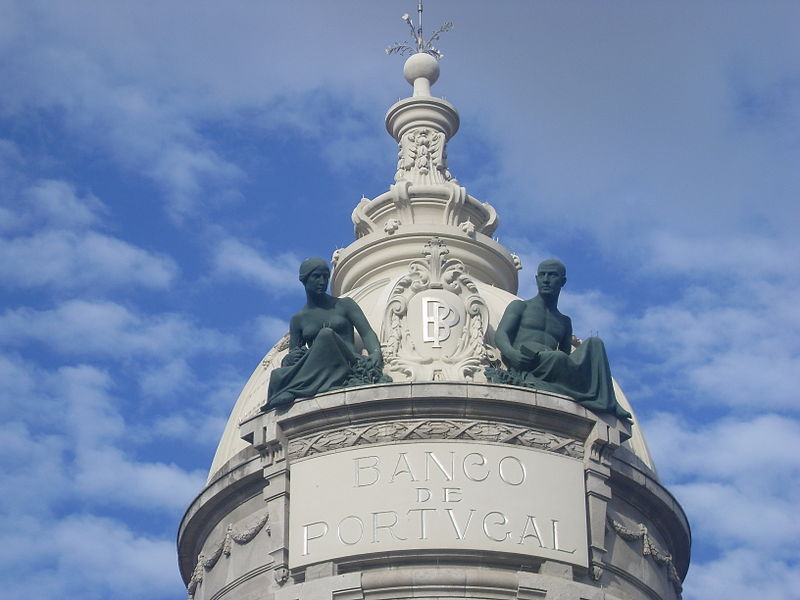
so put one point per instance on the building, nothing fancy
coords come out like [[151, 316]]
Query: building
[[439, 484]]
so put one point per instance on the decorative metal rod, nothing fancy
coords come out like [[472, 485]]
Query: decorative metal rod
[[417, 35]]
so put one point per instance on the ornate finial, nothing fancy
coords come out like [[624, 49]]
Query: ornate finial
[[420, 45]]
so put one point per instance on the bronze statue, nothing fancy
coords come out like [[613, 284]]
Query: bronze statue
[[322, 352], [535, 341]]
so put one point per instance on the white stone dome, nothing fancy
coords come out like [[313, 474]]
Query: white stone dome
[[372, 298]]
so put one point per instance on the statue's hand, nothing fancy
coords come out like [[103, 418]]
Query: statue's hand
[[375, 360], [518, 360], [294, 355]]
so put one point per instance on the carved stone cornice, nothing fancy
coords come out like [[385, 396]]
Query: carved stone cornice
[[433, 429]]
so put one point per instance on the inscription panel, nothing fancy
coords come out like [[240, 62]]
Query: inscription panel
[[437, 496]]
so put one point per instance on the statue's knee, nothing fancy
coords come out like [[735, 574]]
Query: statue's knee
[[595, 341], [326, 333]]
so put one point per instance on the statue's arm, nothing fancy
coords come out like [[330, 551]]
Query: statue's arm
[[506, 331], [565, 345], [296, 332], [296, 342], [368, 336]]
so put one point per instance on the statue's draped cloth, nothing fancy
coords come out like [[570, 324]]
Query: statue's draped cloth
[[583, 375], [325, 366]]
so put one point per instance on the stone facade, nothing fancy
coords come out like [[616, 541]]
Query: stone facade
[[235, 540]]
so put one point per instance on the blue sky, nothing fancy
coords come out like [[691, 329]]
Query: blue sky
[[165, 166]]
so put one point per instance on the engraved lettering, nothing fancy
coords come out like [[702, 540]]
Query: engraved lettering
[[340, 530], [438, 317], [460, 534], [401, 467], [535, 534], [423, 520], [430, 456], [423, 494], [555, 539], [388, 526], [480, 462], [452, 494], [501, 521], [376, 474], [516, 476], [307, 538]]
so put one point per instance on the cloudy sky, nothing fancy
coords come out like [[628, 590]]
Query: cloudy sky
[[164, 167]]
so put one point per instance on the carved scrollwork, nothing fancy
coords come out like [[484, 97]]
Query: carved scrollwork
[[435, 322], [433, 429], [649, 548], [362, 222], [337, 254], [492, 222], [223, 548]]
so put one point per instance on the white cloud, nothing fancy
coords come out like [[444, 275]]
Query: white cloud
[[55, 245], [55, 203], [70, 260], [725, 457], [104, 475], [164, 379], [743, 573], [107, 329], [747, 256], [593, 313], [34, 468], [737, 348], [86, 557], [232, 259], [736, 478], [91, 551], [268, 330], [70, 448]]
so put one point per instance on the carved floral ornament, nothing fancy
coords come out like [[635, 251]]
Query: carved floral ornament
[[240, 536], [422, 157], [435, 321]]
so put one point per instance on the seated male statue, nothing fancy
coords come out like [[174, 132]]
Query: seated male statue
[[535, 341]]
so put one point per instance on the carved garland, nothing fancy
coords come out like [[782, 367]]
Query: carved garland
[[650, 549], [224, 547], [433, 429]]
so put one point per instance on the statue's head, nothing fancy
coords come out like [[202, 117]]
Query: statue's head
[[315, 273], [551, 275]]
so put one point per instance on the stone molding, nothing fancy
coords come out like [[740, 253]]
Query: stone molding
[[433, 429], [378, 254], [206, 563], [421, 202]]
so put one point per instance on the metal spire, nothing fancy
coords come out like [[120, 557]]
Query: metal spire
[[420, 45]]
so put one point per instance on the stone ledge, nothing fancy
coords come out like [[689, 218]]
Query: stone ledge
[[388, 402]]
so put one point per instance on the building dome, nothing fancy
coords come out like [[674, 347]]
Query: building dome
[[441, 483]]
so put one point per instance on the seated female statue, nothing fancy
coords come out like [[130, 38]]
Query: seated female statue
[[322, 352]]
